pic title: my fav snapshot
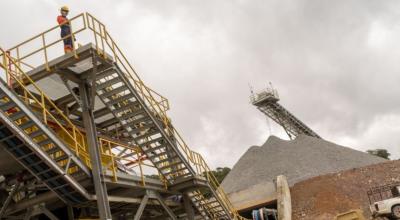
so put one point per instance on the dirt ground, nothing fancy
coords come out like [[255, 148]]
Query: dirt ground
[[324, 197]]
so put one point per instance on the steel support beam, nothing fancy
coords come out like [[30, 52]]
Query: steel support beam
[[70, 211], [93, 81], [155, 195], [142, 205], [9, 198], [98, 179], [69, 74], [37, 210], [49, 214], [188, 207], [71, 90]]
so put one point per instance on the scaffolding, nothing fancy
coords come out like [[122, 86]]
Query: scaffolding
[[267, 102], [90, 134]]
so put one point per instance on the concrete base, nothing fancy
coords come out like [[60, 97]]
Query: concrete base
[[284, 200], [255, 196]]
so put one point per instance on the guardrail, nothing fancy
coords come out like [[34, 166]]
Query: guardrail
[[50, 114], [194, 158], [67, 131], [115, 155], [105, 44]]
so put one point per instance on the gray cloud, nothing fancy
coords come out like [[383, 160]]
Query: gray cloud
[[333, 62]]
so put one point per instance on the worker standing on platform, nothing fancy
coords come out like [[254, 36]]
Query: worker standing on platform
[[65, 29]]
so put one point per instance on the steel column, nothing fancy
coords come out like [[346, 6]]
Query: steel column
[[70, 211], [188, 207], [91, 135], [49, 214], [140, 210], [155, 195], [37, 210]]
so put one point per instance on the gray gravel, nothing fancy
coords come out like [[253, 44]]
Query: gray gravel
[[298, 160]]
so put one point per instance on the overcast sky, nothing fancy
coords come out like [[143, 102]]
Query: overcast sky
[[335, 64]]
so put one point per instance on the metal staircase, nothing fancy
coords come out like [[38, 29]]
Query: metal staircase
[[38, 149], [53, 149], [30, 141], [148, 130], [209, 208], [141, 124]]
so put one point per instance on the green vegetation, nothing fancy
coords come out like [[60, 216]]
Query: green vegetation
[[380, 153]]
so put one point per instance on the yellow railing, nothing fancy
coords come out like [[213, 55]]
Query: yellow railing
[[132, 157], [65, 129], [27, 54], [157, 108], [51, 115], [105, 44]]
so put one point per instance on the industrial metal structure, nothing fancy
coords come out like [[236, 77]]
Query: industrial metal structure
[[86, 137], [267, 102]]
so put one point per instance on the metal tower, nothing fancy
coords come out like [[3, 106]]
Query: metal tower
[[267, 102]]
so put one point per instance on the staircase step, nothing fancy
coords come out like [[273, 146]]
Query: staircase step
[[130, 115], [114, 91], [152, 149], [170, 165], [45, 142], [182, 176], [27, 124], [218, 206], [108, 83], [53, 150], [129, 106], [172, 154], [36, 133], [138, 120], [7, 106], [166, 160], [117, 100], [105, 73], [139, 129], [210, 202], [17, 115], [175, 171], [146, 135], [60, 158], [155, 140]]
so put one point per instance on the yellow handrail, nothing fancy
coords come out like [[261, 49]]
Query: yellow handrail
[[158, 109], [157, 103], [76, 137], [132, 155], [46, 105]]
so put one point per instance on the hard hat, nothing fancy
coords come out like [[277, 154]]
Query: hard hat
[[64, 8]]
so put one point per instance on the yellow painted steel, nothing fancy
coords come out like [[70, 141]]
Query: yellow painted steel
[[71, 135], [51, 115], [158, 104]]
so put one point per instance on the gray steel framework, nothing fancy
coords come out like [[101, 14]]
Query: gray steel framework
[[267, 102], [135, 123]]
